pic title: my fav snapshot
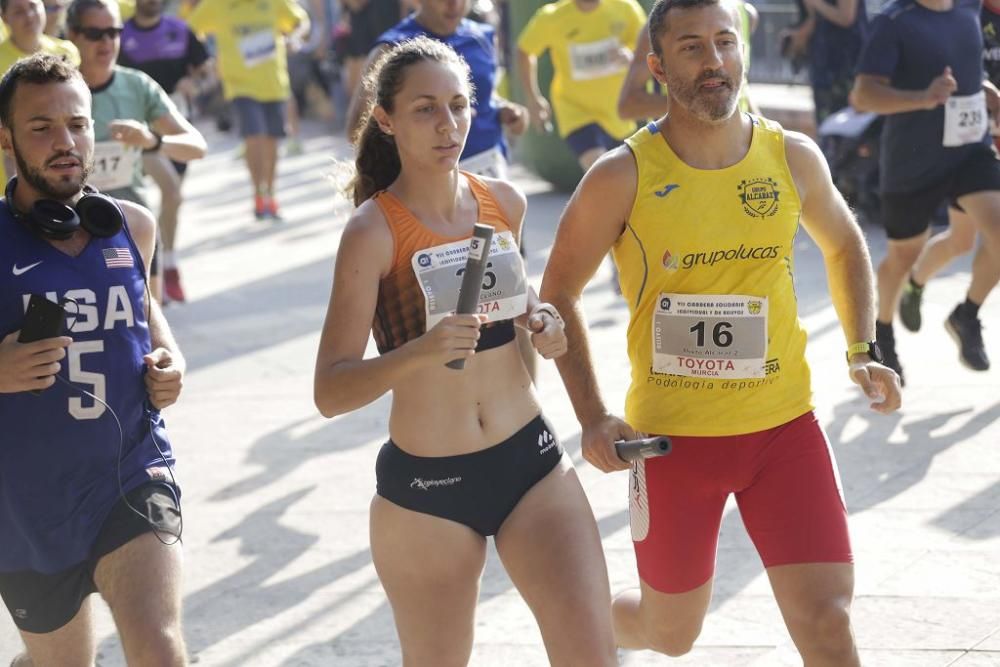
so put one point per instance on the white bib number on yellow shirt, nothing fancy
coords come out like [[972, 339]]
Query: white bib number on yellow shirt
[[710, 335], [592, 60], [439, 273], [258, 47], [114, 165], [965, 119]]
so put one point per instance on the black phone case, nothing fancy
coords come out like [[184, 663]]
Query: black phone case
[[43, 319]]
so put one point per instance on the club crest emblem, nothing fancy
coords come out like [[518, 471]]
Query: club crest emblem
[[759, 197]]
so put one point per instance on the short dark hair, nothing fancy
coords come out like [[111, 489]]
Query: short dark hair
[[77, 8], [40, 68], [658, 17]]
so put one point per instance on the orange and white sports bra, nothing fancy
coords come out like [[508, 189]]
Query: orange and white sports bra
[[422, 286]]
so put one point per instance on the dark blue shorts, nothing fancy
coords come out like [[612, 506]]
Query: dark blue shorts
[[479, 489], [257, 118], [42, 603], [908, 214], [590, 136]]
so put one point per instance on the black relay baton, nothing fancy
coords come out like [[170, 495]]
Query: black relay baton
[[472, 279], [645, 448]]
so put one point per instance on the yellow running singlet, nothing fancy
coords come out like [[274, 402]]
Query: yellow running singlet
[[705, 263]]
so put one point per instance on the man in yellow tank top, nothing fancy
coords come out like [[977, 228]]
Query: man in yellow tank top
[[700, 210]]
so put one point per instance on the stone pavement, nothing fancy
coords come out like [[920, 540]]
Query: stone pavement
[[275, 497]]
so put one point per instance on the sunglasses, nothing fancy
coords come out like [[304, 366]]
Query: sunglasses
[[97, 34]]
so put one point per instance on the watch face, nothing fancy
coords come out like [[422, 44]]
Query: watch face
[[875, 352]]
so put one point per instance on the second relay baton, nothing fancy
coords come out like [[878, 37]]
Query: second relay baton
[[633, 450], [472, 279]]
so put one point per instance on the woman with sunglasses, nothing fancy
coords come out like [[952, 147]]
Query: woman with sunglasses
[[132, 113], [470, 455]]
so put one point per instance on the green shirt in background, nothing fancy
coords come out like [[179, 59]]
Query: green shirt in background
[[128, 95]]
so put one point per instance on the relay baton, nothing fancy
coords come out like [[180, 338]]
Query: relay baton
[[645, 448], [472, 279]]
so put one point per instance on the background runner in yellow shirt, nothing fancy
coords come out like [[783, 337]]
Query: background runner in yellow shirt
[[588, 41], [250, 37]]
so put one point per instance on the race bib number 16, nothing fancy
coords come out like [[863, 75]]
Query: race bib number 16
[[710, 335]]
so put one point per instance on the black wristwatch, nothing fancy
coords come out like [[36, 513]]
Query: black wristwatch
[[156, 147], [870, 348]]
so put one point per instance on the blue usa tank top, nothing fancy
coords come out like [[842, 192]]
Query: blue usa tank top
[[59, 450]]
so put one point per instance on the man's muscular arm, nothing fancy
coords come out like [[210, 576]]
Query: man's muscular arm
[[593, 219], [828, 220]]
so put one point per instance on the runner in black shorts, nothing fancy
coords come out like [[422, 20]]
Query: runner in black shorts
[[87, 499], [960, 236], [922, 67], [367, 20], [470, 455]]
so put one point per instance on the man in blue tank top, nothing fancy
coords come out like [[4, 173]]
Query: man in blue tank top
[[922, 67], [88, 500], [485, 151]]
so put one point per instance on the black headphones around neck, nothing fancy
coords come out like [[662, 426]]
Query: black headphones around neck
[[97, 213]]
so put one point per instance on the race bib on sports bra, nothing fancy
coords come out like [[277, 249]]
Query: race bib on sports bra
[[965, 119], [258, 47], [114, 165], [593, 60], [710, 335], [439, 272], [490, 163]]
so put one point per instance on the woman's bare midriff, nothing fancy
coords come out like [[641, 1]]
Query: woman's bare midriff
[[445, 412]]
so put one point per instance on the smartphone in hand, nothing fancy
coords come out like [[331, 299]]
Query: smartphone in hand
[[43, 319]]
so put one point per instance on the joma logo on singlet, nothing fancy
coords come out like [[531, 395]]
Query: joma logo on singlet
[[83, 314]]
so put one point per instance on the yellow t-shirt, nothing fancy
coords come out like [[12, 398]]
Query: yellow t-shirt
[[126, 8], [705, 264], [250, 35], [10, 54], [588, 72]]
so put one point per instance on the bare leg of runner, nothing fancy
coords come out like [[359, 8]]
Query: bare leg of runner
[[72, 645], [141, 582], [551, 549], [668, 623], [430, 569]]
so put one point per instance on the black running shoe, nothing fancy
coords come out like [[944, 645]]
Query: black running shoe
[[968, 334], [909, 306], [888, 346]]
